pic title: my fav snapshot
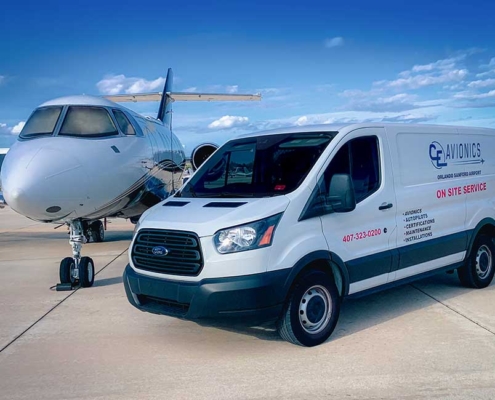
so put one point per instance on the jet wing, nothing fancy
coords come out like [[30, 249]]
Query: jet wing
[[184, 96]]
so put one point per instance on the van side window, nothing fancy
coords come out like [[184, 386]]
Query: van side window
[[365, 166], [124, 123]]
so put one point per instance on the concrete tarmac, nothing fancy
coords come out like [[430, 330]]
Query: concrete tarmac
[[432, 339]]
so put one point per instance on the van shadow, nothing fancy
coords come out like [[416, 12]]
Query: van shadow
[[117, 236], [358, 314], [107, 281]]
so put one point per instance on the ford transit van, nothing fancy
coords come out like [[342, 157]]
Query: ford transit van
[[284, 224]]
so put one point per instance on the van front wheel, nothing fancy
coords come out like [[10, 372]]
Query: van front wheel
[[479, 268], [312, 310]]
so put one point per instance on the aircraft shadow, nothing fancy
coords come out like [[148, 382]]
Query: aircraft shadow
[[358, 314]]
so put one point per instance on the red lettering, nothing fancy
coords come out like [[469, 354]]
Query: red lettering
[[441, 194], [473, 188]]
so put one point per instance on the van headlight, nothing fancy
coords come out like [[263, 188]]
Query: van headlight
[[247, 237]]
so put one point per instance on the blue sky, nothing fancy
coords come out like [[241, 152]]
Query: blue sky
[[313, 62]]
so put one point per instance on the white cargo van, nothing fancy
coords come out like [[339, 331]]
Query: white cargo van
[[284, 224]]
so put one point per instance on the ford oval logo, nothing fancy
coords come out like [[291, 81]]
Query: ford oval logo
[[159, 251]]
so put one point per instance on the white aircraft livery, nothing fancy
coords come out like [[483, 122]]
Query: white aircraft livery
[[80, 159]]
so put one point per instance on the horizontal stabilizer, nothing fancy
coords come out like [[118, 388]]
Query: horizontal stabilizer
[[214, 97], [121, 98]]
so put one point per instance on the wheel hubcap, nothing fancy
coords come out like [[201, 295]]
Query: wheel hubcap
[[483, 262], [91, 271], [72, 270], [315, 309]]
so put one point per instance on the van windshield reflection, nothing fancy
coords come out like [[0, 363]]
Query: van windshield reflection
[[258, 167]]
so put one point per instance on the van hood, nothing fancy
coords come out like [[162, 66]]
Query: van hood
[[206, 216]]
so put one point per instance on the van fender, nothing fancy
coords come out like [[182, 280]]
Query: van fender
[[485, 223], [329, 258]]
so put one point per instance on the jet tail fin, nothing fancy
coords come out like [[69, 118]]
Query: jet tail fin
[[165, 109], [167, 97]]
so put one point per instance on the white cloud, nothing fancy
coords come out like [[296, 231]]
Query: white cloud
[[447, 63], [2, 78], [115, 84], [482, 83], [376, 100], [491, 64], [18, 128], [443, 71], [228, 121], [191, 89], [474, 96], [302, 121], [423, 80], [11, 130], [334, 42], [347, 117], [232, 89], [484, 74], [8, 133]]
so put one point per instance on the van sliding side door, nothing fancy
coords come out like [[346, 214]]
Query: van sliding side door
[[431, 203], [364, 238]]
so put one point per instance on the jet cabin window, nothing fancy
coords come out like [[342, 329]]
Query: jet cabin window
[[124, 123], [86, 121], [258, 167], [41, 122]]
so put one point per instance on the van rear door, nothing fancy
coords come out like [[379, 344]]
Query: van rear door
[[364, 238]]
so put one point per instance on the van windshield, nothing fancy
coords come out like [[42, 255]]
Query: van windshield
[[258, 167]]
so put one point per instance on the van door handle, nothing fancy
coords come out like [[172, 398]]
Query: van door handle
[[385, 206]]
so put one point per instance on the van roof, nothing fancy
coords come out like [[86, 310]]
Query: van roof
[[339, 127]]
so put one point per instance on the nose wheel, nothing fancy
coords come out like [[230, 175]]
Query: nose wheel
[[76, 271]]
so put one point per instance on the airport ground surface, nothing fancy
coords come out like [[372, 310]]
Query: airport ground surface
[[433, 339]]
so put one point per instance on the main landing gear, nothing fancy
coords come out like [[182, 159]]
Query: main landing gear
[[77, 271]]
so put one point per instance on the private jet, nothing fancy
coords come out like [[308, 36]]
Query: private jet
[[81, 159]]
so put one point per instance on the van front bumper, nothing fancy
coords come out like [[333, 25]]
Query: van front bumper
[[258, 296]]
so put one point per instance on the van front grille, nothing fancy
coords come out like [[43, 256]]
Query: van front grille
[[168, 252]]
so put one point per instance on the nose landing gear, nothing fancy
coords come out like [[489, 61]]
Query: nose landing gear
[[76, 271]]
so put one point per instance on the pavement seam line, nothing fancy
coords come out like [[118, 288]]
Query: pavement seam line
[[53, 308], [454, 310]]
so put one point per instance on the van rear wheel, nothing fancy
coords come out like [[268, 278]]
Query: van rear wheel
[[479, 269], [312, 310]]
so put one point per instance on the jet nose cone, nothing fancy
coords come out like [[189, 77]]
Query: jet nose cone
[[41, 183]]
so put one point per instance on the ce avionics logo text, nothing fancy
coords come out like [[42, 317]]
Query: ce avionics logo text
[[455, 153], [437, 155]]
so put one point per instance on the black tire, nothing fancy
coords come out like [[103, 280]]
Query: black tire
[[479, 269], [98, 231], [312, 310], [86, 272], [66, 267]]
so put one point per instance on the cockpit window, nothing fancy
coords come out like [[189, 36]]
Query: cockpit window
[[123, 122], [87, 122], [41, 122]]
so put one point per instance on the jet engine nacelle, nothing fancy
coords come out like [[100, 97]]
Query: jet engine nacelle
[[201, 153]]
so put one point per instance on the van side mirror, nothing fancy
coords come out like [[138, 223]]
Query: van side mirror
[[341, 193]]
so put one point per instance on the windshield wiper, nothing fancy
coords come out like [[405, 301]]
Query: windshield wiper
[[240, 195]]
